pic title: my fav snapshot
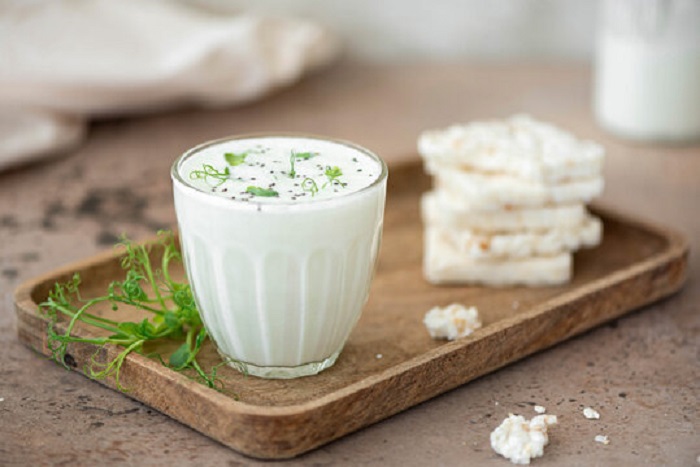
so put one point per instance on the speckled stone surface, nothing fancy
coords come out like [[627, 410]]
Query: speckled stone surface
[[641, 372]]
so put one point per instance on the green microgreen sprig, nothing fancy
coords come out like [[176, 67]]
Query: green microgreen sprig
[[170, 304], [333, 174], [309, 184], [209, 172], [305, 156], [262, 192], [234, 159]]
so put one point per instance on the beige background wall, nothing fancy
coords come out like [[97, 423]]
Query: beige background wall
[[447, 29]]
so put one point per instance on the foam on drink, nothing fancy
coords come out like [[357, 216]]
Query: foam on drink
[[284, 169]]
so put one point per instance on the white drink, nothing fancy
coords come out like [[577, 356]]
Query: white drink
[[279, 237], [647, 74]]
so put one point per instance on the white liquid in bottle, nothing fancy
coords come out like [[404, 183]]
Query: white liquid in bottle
[[647, 77]]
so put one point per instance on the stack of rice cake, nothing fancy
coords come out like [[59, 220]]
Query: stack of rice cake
[[509, 202]]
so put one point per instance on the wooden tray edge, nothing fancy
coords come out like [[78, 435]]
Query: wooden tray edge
[[282, 432]]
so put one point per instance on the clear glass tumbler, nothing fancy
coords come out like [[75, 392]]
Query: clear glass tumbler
[[280, 285]]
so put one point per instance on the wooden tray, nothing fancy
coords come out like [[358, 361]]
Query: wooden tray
[[636, 264]]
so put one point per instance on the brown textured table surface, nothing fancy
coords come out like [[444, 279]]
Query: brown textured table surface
[[642, 372]]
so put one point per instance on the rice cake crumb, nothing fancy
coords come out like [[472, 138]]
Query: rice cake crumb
[[520, 440], [452, 321], [591, 413]]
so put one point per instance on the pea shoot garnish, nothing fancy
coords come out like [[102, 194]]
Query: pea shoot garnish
[[209, 173], [263, 192], [247, 173], [172, 315], [305, 156], [333, 174], [309, 184], [234, 159]]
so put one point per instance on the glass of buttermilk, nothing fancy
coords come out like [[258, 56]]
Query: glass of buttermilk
[[280, 236]]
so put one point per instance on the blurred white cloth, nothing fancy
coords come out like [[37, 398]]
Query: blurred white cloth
[[62, 61]]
